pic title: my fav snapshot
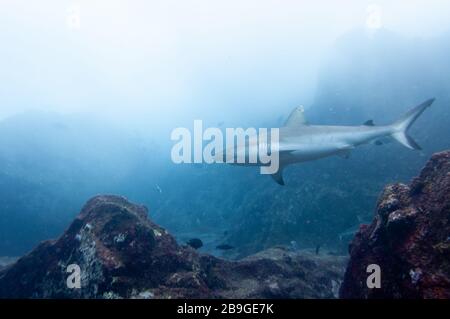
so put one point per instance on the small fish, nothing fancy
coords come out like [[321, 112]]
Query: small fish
[[224, 247], [158, 188], [195, 243], [318, 249]]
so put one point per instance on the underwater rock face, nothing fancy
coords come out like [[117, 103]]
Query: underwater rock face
[[5, 261], [408, 239], [122, 254]]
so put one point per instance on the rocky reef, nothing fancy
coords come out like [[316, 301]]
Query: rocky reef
[[409, 239], [121, 253], [5, 261]]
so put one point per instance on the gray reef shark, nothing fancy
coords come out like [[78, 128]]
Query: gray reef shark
[[301, 142]]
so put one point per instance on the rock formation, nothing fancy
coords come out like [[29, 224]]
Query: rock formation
[[122, 254], [409, 239]]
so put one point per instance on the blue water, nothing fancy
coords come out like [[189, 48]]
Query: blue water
[[52, 162]]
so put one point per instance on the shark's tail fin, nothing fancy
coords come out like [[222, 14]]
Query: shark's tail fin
[[400, 127]]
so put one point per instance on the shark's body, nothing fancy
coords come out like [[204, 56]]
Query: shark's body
[[301, 142]]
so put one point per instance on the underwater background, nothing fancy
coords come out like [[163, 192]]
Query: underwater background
[[87, 108]]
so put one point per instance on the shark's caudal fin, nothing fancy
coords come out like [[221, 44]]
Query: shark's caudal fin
[[400, 127]]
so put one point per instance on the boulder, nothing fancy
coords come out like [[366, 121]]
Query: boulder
[[121, 253], [409, 238]]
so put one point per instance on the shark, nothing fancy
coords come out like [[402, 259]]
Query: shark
[[300, 141]]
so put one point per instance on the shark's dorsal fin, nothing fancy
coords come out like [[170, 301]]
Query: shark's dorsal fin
[[369, 123], [297, 117]]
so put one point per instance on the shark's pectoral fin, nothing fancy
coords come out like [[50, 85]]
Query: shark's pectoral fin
[[278, 177]]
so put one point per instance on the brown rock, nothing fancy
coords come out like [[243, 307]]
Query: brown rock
[[409, 239], [122, 254]]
